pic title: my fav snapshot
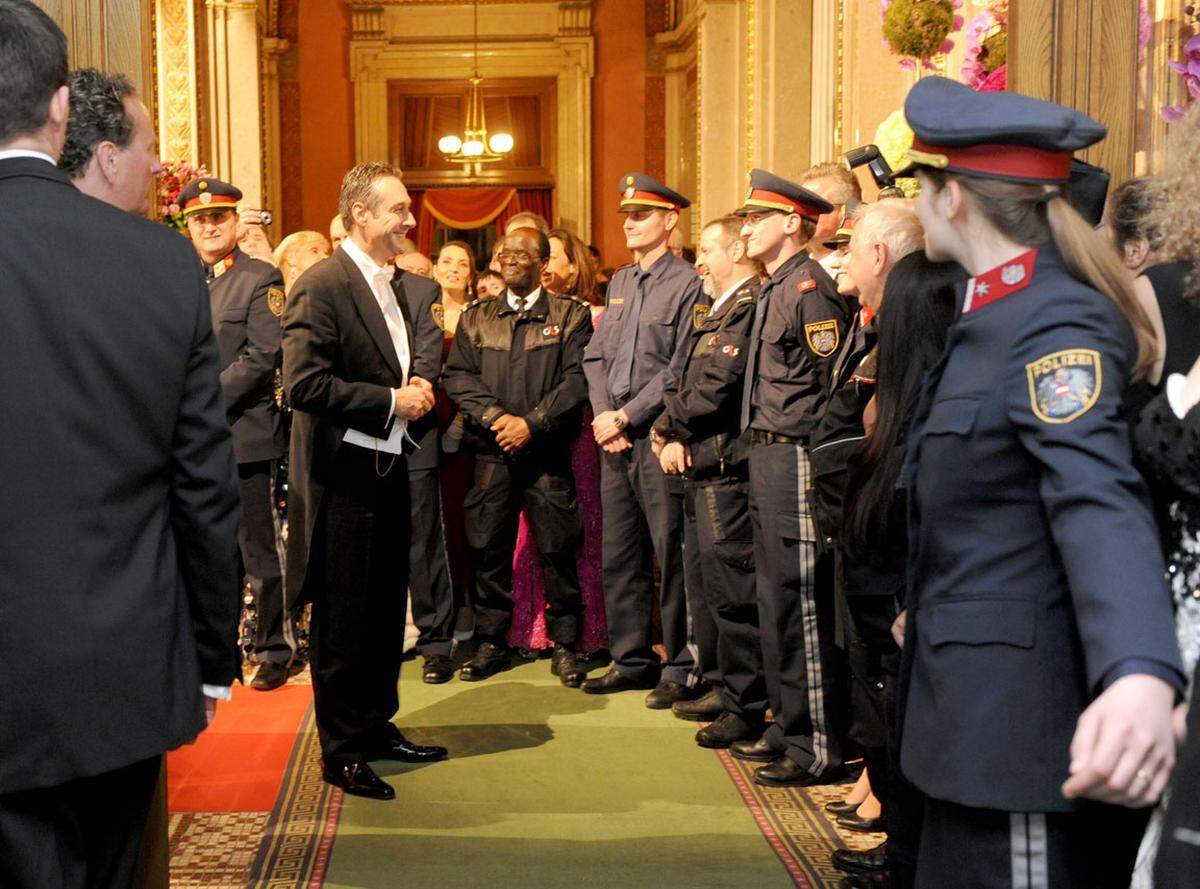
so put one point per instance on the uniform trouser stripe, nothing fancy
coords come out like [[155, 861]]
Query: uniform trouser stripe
[[1030, 866], [806, 552]]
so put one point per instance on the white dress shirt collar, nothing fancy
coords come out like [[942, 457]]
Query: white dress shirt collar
[[370, 268], [720, 301], [8, 153], [524, 305]]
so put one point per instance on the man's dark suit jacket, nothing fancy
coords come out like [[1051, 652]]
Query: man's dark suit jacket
[[417, 297], [118, 587], [247, 332], [339, 367]]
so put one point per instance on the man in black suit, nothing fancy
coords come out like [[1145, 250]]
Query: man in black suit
[[348, 371], [246, 297], [429, 567], [118, 521]]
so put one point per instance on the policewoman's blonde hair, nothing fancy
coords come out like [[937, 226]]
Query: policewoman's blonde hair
[[1036, 215]]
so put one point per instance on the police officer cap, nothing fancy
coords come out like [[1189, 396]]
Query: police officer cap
[[996, 135], [642, 192], [208, 194], [771, 192], [842, 236]]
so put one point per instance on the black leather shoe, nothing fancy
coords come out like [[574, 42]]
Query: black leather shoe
[[357, 779], [784, 772], [862, 825], [438, 669], [399, 748], [666, 694], [707, 707], [754, 751], [270, 675], [869, 861], [489, 660], [881, 880], [725, 730], [613, 681], [567, 665], [840, 807]]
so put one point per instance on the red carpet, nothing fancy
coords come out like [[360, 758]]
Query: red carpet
[[237, 765]]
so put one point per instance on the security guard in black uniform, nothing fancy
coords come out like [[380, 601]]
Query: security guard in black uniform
[[1040, 664], [698, 437], [653, 306], [247, 301], [429, 567], [515, 371], [800, 322]]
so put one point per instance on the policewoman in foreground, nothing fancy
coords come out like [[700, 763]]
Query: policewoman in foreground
[[1039, 667]]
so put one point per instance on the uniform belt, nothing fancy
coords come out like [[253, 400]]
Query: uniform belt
[[758, 437]]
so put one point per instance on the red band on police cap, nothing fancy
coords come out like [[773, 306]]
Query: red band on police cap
[[648, 198], [1005, 161], [214, 202], [773, 200]]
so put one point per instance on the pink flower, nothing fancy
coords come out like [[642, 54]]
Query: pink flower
[[946, 46], [908, 64], [996, 82], [1174, 113], [174, 209], [1145, 29]]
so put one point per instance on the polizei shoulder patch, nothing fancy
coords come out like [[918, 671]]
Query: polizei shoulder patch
[[1064, 385]]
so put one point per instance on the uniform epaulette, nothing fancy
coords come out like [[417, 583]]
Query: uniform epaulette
[[742, 300], [573, 298], [472, 304]]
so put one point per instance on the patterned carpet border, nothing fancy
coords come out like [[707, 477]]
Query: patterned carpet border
[[793, 822], [294, 852]]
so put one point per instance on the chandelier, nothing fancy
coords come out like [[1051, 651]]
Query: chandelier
[[474, 147]]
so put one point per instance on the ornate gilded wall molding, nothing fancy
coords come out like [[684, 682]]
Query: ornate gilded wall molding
[[175, 42]]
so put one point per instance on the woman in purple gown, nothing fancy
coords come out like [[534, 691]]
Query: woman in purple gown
[[570, 270]]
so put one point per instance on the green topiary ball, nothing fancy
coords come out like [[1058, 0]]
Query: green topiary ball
[[918, 28], [994, 51]]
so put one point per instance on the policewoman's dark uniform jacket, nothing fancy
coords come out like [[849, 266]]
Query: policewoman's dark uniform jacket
[[703, 404], [529, 364], [1022, 414], [247, 302]]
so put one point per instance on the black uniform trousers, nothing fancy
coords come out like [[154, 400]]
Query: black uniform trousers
[[701, 628], [1094, 848], [723, 597], [545, 487], [273, 637], [358, 578], [795, 610], [643, 519], [429, 566], [84, 834]]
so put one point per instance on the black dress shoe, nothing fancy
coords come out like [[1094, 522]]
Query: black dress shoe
[[869, 861], [399, 748], [840, 807], [754, 751], [357, 779], [613, 681], [785, 772], [726, 729], [666, 694], [862, 825], [489, 660], [270, 675], [567, 665], [707, 707], [438, 669], [880, 880]]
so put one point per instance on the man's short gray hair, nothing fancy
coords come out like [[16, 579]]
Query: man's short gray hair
[[358, 187], [892, 222]]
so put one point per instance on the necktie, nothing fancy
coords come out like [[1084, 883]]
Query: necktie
[[621, 377], [760, 314]]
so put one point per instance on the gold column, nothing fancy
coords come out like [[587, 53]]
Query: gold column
[[1081, 53], [272, 49], [235, 97], [175, 41]]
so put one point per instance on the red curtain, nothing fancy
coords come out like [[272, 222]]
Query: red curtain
[[467, 208]]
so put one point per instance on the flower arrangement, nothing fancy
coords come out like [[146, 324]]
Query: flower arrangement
[[893, 138], [918, 30], [1189, 68], [176, 175], [984, 65]]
